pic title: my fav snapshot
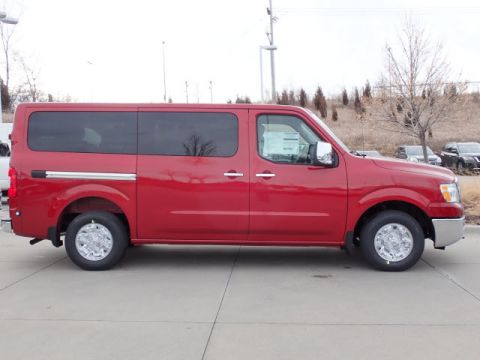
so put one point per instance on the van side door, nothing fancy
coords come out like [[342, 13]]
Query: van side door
[[192, 174], [291, 200]]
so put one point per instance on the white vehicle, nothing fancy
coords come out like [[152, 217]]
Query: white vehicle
[[5, 130]]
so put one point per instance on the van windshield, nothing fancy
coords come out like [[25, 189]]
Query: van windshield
[[327, 130]]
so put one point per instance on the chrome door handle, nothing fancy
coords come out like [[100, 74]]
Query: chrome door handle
[[265, 175], [231, 174]]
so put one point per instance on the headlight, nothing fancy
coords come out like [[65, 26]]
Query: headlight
[[468, 158], [450, 193]]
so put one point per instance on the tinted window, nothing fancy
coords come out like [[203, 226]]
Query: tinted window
[[85, 132], [285, 139], [187, 134]]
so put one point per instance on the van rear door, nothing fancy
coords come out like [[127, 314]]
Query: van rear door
[[192, 174]]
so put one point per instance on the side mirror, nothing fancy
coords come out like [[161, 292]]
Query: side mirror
[[324, 154]]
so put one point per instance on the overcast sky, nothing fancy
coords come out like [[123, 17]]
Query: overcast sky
[[111, 50]]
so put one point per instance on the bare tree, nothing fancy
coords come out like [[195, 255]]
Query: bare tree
[[6, 32], [31, 81], [28, 90], [417, 74], [197, 147]]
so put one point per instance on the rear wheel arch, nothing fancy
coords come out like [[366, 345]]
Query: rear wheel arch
[[85, 204]]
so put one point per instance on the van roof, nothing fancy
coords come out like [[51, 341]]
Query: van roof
[[54, 105]]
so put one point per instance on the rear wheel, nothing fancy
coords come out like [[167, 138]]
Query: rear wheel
[[392, 241], [460, 167], [96, 240]]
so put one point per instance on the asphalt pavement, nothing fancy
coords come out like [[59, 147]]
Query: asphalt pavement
[[214, 302]]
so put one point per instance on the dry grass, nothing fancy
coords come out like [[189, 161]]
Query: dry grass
[[470, 189]]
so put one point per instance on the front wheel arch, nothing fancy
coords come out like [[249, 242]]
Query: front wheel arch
[[413, 210]]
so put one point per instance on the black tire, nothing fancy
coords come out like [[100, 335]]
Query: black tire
[[370, 229], [113, 225], [460, 167]]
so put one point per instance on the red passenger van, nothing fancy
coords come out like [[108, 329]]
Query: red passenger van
[[99, 177]]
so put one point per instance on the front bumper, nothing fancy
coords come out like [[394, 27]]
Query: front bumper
[[448, 231], [6, 225]]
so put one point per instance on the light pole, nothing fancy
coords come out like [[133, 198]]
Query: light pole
[[211, 91], [164, 74], [270, 48], [4, 19], [186, 90]]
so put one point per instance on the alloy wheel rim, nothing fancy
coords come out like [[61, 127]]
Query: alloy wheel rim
[[393, 242], [94, 242]]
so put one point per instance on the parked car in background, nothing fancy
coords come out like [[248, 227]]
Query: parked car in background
[[414, 153], [370, 153], [461, 156], [4, 162], [5, 131]]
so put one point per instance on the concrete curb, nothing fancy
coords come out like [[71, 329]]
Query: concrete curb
[[472, 229]]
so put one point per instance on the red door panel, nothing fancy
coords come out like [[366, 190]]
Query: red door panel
[[295, 203], [195, 197]]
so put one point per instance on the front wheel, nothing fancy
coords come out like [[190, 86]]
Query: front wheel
[[96, 240], [392, 241]]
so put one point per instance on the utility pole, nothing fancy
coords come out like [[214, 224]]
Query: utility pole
[[272, 56], [186, 90], [211, 91], [164, 74], [261, 75], [269, 48]]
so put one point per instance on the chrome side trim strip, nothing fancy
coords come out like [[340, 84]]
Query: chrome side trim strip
[[90, 176]]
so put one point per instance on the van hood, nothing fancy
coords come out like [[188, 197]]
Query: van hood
[[415, 168]]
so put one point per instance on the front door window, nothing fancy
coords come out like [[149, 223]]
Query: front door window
[[285, 139]]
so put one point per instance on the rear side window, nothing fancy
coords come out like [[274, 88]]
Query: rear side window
[[84, 132], [187, 134]]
